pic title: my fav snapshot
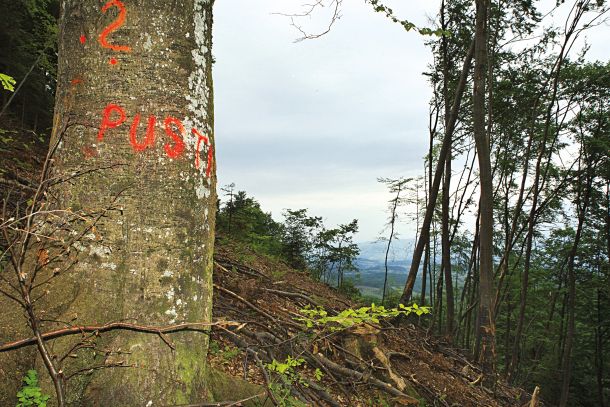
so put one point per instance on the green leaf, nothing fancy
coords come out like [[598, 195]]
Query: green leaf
[[8, 82]]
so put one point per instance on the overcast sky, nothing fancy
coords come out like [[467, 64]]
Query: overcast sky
[[313, 124]]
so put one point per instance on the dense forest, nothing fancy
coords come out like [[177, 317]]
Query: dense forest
[[511, 254]]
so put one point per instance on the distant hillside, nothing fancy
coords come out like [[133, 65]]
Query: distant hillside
[[400, 250], [371, 269]]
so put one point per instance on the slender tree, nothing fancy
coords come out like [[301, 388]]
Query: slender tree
[[583, 195], [445, 239], [434, 187], [486, 325], [395, 187]]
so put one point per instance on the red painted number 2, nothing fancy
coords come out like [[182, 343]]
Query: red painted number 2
[[116, 24]]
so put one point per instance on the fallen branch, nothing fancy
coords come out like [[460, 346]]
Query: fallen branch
[[353, 374], [291, 295], [322, 393], [75, 330], [250, 272], [254, 307], [266, 377], [222, 403]]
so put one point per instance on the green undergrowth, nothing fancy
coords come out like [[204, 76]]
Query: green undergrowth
[[31, 394]]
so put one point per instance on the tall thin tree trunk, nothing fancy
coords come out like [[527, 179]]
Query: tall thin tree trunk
[[486, 317], [507, 331], [434, 187], [446, 249], [424, 274], [387, 252], [600, 336], [599, 353], [474, 313], [582, 203]]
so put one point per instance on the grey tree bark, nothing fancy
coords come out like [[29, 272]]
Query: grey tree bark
[[486, 326], [134, 113]]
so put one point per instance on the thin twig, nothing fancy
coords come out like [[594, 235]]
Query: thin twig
[[311, 8], [222, 403], [159, 330]]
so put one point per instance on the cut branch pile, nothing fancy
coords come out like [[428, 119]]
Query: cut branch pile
[[361, 365]]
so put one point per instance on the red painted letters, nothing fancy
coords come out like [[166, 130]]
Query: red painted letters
[[107, 123], [149, 139], [114, 116], [178, 148]]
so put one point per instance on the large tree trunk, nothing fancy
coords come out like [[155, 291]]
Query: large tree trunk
[[134, 104]]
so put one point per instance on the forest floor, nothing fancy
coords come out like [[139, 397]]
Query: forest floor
[[369, 364]]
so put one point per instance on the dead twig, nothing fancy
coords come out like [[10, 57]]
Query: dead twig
[[310, 9], [222, 403]]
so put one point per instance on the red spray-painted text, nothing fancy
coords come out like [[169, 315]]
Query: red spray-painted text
[[114, 116]]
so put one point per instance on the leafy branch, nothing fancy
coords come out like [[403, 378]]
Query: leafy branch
[[318, 317], [407, 25], [8, 82]]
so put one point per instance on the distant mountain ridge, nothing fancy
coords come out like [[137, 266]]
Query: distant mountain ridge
[[370, 276], [400, 250]]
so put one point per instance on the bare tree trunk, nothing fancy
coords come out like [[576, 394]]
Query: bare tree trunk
[[600, 336], [434, 188], [446, 245], [599, 353], [446, 249], [424, 273], [428, 185], [438, 305], [393, 215], [582, 203], [486, 318], [474, 313], [135, 100]]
